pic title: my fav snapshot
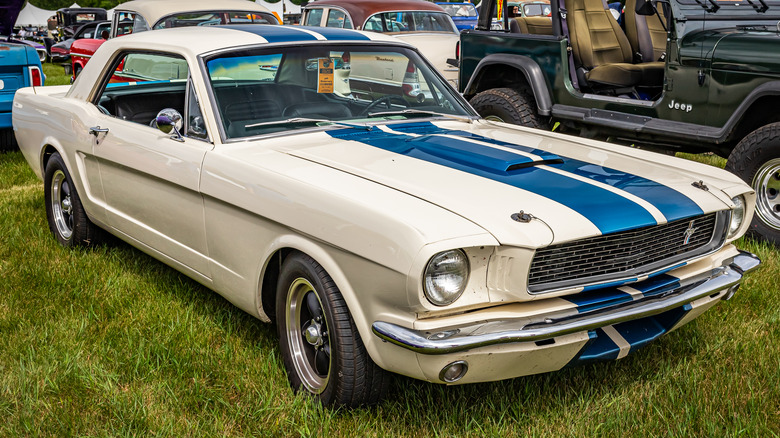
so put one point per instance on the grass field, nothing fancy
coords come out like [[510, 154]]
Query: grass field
[[108, 342]]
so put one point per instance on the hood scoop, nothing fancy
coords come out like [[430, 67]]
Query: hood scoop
[[455, 147]]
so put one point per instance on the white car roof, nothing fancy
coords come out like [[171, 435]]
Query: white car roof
[[154, 10], [190, 42]]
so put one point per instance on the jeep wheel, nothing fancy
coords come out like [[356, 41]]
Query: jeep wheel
[[510, 106], [756, 161]]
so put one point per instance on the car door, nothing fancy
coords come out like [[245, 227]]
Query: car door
[[151, 179]]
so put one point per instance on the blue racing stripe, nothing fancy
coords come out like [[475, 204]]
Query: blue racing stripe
[[608, 211], [671, 203], [284, 34], [274, 34], [594, 300]]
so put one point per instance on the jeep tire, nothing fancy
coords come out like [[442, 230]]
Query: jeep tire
[[510, 106], [757, 162]]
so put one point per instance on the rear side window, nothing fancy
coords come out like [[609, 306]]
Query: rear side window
[[314, 17], [337, 18]]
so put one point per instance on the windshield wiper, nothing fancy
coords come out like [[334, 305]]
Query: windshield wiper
[[422, 112], [308, 120]]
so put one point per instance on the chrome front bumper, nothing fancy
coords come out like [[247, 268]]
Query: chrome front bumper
[[454, 339]]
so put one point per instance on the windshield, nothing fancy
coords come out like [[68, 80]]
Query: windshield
[[410, 21], [215, 18], [270, 90]]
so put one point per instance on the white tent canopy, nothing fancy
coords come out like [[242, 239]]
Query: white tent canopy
[[289, 7], [33, 16]]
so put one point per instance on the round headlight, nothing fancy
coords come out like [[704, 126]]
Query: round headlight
[[446, 276], [737, 214]]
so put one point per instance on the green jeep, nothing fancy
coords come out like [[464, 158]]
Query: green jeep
[[688, 75]]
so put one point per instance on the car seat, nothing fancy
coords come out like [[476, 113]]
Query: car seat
[[646, 33], [602, 53]]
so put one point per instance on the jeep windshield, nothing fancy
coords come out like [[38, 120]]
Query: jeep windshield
[[271, 90]]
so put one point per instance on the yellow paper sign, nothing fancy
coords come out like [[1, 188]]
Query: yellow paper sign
[[325, 76], [500, 10]]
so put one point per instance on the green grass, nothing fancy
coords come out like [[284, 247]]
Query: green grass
[[110, 342], [55, 74]]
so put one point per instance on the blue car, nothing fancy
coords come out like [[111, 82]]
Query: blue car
[[19, 67], [464, 15]]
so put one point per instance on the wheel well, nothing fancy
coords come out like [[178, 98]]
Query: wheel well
[[761, 112], [270, 279], [499, 76], [48, 151]]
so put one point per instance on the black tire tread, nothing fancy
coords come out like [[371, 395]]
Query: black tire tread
[[85, 233], [744, 161], [7, 140], [512, 106], [360, 381]]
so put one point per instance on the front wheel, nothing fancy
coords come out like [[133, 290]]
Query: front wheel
[[510, 106], [67, 219], [756, 160], [321, 347]]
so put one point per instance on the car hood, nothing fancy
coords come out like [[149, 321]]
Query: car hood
[[488, 173], [9, 11]]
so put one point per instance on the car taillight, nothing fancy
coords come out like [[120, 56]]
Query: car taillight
[[36, 77]]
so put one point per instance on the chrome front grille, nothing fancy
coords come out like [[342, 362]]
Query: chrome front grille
[[626, 254]]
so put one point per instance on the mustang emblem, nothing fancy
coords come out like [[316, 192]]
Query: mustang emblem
[[689, 232]]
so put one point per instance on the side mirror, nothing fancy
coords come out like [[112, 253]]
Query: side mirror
[[169, 120], [645, 7]]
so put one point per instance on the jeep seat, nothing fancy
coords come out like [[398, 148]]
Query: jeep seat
[[602, 50], [646, 33], [531, 25]]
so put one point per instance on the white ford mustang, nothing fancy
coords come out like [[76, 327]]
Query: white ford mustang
[[378, 221]]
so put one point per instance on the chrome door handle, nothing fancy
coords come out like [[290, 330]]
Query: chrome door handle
[[95, 130]]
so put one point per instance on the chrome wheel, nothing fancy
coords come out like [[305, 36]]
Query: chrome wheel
[[766, 183], [308, 337], [61, 204]]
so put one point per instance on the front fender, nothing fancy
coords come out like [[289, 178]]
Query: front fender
[[528, 67]]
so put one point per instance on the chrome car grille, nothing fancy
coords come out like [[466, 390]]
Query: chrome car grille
[[625, 254]]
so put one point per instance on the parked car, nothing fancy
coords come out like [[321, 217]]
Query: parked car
[[665, 83], [71, 19], [379, 231], [19, 67], [464, 15], [418, 22], [142, 15], [60, 52], [40, 49]]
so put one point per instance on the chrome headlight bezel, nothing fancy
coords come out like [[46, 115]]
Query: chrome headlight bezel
[[737, 218], [446, 276]]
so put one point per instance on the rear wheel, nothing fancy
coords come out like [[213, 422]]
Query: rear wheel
[[757, 161], [67, 219], [510, 106], [321, 347]]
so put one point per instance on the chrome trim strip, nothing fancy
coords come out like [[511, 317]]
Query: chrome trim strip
[[510, 331]]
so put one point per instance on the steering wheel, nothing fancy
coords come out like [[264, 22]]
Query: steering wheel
[[386, 99]]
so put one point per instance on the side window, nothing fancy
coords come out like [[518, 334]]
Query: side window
[[314, 17], [337, 18], [142, 84]]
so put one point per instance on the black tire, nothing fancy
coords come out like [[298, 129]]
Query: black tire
[[7, 140], [510, 106], [67, 219], [320, 345], [756, 160]]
